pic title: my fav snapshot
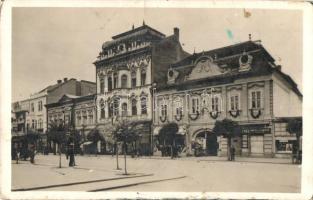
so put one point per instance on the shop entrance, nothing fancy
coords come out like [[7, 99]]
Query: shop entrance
[[206, 142]]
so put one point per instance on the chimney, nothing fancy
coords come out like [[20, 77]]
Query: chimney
[[59, 81], [176, 33], [65, 79], [278, 67]]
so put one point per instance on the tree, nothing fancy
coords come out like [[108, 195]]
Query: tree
[[295, 126], [56, 133], [125, 132], [228, 129], [167, 135]]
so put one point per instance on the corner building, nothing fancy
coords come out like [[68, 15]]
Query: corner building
[[126, 69], [240, 82]]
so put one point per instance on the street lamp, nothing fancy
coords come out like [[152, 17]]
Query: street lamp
[[154, 85]]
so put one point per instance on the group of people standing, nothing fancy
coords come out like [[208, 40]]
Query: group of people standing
[[21, 152]]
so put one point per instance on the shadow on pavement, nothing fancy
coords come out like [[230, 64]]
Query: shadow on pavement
[[77, 183]]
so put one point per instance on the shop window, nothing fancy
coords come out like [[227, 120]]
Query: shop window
[[134, 107], [284, 146], [102, 86], [124, 81], [111, 110]]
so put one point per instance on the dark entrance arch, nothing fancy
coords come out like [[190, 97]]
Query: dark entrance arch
[[209, 142]]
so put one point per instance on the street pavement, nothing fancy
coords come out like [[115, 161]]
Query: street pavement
[[188, 174]]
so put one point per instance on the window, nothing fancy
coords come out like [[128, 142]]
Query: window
[[256, 99], [90, 117], [124, 109], [110, 84], [195, 105], [40, 106], [116, 105], [102, 111], [102, 86], [285, 146], [143, 105], [115, 80], [32, 108], [134, 107], [234, 102], [143, 77], [84, 117], [78, 118], [33, 124], [163, 110], [178, 107], [215, 103], [134, 80], [111, 110], [124, 81]]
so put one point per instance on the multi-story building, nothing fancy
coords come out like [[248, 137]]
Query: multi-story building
[[239, 82], [19, 113], [37, 118], [76, 112], [126, 69]]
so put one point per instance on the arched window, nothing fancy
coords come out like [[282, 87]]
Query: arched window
[[115, 80], [134, 107], [134, 80], [116, 107], [101, 85], [143, 77], [110, 84], [124, 109], [110, 109], [102, 110], [124, 81], [143, 102]]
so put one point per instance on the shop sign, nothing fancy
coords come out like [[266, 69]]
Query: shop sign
[[255, 129]]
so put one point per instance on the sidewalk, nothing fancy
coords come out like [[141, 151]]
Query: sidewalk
[[223, 158]]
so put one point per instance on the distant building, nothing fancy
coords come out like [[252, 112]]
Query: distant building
[[127, 68], [37, 118], [240, 82], [76, 112]]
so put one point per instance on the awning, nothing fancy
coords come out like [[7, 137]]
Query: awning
[[87, 143]]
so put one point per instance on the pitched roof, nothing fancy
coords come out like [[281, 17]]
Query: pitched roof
[[225, 52]]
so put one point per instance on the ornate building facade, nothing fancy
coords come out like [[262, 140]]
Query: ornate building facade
[[239, 82], [127, 68]]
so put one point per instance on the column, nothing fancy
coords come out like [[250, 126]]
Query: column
[[244, 102]]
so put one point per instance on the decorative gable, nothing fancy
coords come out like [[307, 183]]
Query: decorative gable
[[205, 67]]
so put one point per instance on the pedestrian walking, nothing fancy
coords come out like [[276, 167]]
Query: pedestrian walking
[[32, 152], [70, 153], [232, 153]]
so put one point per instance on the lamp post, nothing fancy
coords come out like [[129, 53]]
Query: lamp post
[[153, 114]]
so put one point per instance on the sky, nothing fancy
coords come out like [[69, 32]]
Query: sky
[[53, 43]]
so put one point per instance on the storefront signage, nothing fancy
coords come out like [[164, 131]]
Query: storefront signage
[[254, 129]]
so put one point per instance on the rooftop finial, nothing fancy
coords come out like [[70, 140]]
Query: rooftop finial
[[249, 36], [194, 50], [143, 23], [133, 27]]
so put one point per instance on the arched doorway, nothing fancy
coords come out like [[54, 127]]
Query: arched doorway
[[207, 142]]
